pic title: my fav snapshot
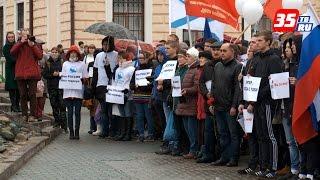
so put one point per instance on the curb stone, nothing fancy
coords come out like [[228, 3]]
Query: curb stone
[[35, 144]]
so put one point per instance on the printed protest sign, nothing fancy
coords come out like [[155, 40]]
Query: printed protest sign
[[140, 77], [168, 70], [279, 85], [247, 121], [251, 88], [115, 95], [70, 81], [176, 86]]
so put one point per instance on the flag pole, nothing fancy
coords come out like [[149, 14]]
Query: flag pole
[[189, 31], [242, 33]]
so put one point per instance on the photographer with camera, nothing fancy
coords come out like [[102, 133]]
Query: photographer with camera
[[27, 72]]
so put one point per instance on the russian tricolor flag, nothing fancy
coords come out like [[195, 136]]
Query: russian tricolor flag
[[306, 110]]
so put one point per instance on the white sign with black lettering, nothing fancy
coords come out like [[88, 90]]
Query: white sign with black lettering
[[248, 121], [176, 86], [279, 85], [140, 77], [251, 88], [115, 95], [70, 81], [168, 70]]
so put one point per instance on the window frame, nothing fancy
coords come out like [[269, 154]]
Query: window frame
[[125, 14]]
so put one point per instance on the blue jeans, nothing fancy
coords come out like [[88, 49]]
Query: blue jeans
[[293, 147], [229, 135], [106, 111], [190, 125], [73, 107], [143, 110], [166, 110], [209, 137]]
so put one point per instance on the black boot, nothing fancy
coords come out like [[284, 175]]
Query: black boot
[[77, 134], [122, 126], [71, 133], [128, 129]]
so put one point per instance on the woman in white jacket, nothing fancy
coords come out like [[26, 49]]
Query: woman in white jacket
[[122, 78]]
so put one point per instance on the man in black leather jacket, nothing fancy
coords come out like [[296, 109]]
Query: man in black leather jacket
[[226, 89]]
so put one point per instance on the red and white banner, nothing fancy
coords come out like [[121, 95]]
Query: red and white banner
[[221, 10]]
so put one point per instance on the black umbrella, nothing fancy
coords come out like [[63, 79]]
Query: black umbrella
[[110, 29]]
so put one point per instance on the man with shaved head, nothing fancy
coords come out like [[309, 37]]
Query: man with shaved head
[[225, 90]]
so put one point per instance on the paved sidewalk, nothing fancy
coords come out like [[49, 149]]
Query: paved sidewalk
[[92, 158]]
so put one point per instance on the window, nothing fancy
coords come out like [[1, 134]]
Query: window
[[195, 35], [130, 14], [20, 17], [264, 24]]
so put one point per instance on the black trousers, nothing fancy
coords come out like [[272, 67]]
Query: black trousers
[[268, 148], [58, 107], [310, 155], [253, 149], [15, 99]]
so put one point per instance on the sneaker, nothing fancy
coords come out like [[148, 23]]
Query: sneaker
[[204, 159], [176, 152], [258, 173], [140, 139], [245, 171], [283, 171], [149, 139], [164, 151], [268, 174], [289, 176]]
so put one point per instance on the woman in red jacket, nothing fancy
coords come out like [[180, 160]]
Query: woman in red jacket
[[27, 72]]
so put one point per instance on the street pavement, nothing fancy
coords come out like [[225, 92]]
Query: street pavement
[[92, 158]]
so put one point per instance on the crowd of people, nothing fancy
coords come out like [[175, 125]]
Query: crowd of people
[[201, 124]]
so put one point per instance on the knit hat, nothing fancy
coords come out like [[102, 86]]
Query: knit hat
[[193, 52], [73, 48]]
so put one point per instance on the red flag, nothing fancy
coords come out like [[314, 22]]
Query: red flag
[[271, 7], [221, 10]]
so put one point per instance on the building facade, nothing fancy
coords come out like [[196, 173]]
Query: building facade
[[147, 19]]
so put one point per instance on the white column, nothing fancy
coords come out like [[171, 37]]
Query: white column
[[148, 10], [109, 10]]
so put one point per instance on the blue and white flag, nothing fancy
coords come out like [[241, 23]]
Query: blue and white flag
[[178, 19]]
